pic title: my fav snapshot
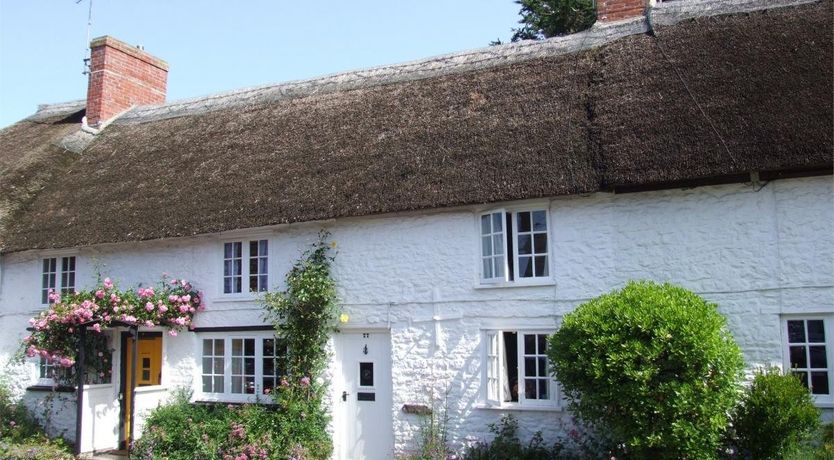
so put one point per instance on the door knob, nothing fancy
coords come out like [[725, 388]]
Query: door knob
[[344, 395]]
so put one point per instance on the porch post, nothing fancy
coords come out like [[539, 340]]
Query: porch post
[[79, 389], [134, 352]]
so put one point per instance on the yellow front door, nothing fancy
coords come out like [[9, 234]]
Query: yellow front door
[[147, 370]]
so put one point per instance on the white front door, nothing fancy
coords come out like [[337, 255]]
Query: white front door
[[363, 418]]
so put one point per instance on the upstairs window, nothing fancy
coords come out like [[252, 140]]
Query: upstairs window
[[808, 345], [254, 274], [514, 246], [52, 279]]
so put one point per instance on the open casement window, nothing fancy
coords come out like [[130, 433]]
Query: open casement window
[[58, 275], [514, 245], [517, 370], [245, 368], [808, 346], [245, 264]]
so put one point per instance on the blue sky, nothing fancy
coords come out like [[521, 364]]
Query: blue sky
[[215, 46]]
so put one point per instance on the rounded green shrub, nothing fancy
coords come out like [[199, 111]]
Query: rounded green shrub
[[776, 416], [652, 365]]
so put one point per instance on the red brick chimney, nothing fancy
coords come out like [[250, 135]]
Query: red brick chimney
[[122, 76], [615, 10]]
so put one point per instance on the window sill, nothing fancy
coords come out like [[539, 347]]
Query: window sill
[[517, 284], [824, 404], [517, 407], [150, 389], [50, 388], [229, 298]]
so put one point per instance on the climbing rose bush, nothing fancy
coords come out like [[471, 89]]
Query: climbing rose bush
[[171, 304]]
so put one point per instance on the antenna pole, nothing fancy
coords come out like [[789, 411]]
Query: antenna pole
[[87, 43]]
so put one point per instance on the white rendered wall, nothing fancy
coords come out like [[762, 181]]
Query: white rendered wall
[[757, 251]]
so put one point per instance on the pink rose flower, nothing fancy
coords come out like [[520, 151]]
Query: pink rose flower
[[108, 283], [97, 327], [172, 333], [163, 308], [305, 381], [149, 306], [99, 294]]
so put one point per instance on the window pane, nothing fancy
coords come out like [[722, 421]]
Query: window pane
[[798, 358], [207, 384], [803, 377], [487, 268], [71, 263], [253, 266], [542, 367], [237, 385], [262, 248], [262, 283], [249, 366], [525, 245], [542, 343], [207, 347], [237, 366], [529, 367], [486, 246], [523, 222], [269, 366], [227, 251], [227, 268], [525, 267], [253, 249], [218, 365], [816, 331], [486, 229], [237, 284], [45, 265], [497, 225], [541, 265], [544, 389], [818, 357], [497, 245], [238, 249], [250, 385], [237, 267], [530, 388], [540, 243], [237, 347], [819, 383], [218, 384], [529, 344], [253, 283], [796, 331], [539, 221], [219, 346], [263, 266], [64, 264], [207, 366], [499, 266], [249, 347]]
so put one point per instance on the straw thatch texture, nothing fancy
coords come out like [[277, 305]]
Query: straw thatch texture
[[710, 98]]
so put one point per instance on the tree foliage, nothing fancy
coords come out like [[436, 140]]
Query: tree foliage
[[652, 365], [551, 18]]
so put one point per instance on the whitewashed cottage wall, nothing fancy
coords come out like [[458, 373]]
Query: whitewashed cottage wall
[[759, 251]]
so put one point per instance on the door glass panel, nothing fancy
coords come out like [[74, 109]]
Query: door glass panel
[[366, 374]]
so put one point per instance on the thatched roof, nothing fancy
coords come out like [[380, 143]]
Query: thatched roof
[[709, 99]]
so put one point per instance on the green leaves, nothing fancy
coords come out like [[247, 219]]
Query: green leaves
[[654, 365], [550, 18]]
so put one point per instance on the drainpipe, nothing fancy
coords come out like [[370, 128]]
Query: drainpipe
[[79, 390]]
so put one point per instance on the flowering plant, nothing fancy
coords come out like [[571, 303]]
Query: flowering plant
[[171, 304]]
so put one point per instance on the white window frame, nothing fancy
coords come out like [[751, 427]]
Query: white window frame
[[226, 395], [828, 324], [514, 262], [492, 388], [245, 272], [60, 276]]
